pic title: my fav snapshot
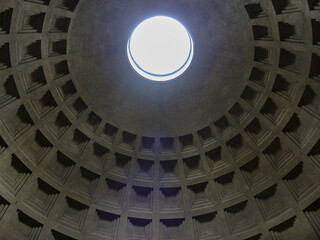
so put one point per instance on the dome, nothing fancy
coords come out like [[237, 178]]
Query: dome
[[89, 149]]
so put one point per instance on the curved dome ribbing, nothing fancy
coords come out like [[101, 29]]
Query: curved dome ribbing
[[74, 167]]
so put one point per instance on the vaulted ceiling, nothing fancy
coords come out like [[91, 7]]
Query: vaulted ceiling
[[91, 150]]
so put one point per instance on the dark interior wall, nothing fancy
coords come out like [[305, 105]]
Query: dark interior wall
[[72, 167]]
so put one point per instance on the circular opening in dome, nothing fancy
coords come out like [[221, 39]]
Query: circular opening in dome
[[160, 48]]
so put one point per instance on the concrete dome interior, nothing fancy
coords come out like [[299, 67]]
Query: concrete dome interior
[[91, 150]]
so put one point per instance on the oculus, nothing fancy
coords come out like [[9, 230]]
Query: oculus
[[160, 48]]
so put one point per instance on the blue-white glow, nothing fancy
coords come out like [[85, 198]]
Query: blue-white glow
[[160, 48]]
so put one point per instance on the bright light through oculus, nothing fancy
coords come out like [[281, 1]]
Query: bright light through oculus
[[160, 48]]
